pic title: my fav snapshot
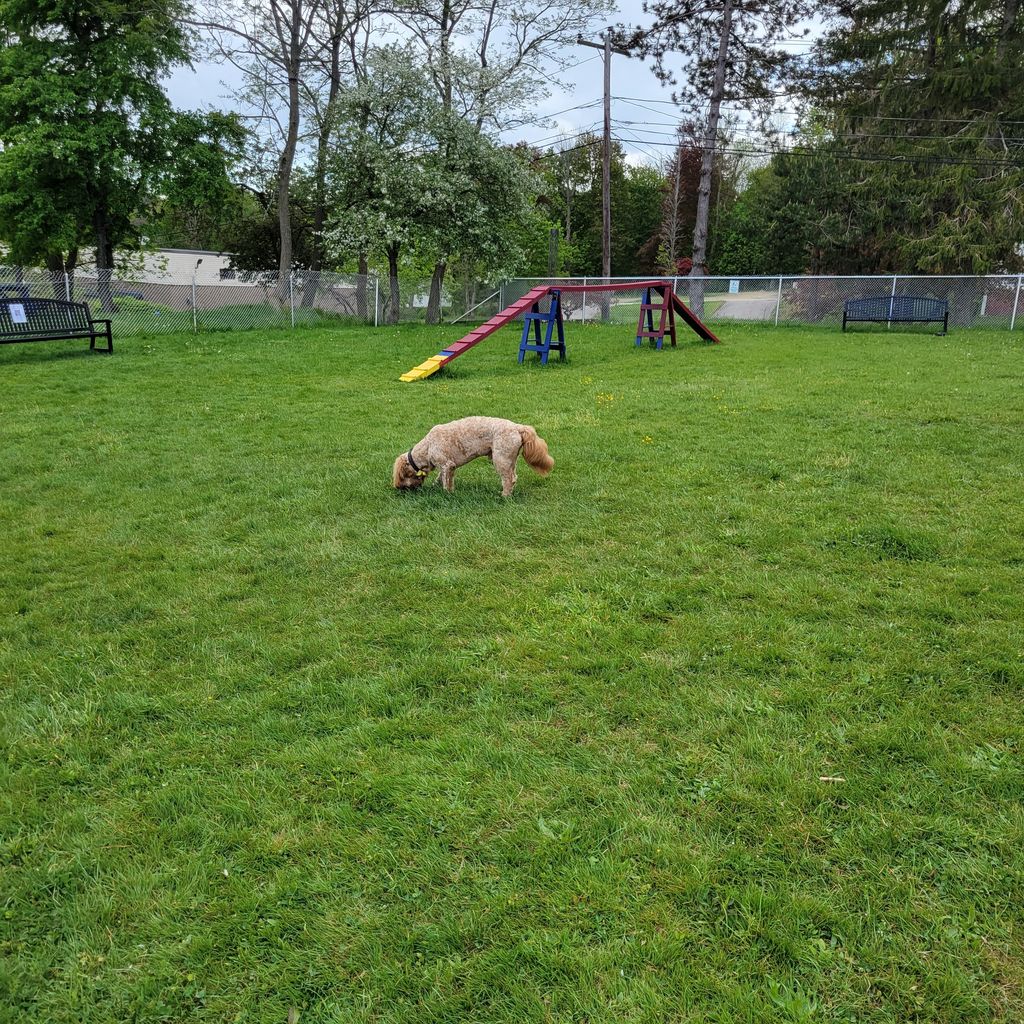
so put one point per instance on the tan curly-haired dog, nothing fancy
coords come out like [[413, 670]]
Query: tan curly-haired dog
[[450, 445]]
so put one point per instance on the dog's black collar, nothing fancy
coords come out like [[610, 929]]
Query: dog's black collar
[[416, 469]]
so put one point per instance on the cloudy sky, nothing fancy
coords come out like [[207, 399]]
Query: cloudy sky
[[643, 116]]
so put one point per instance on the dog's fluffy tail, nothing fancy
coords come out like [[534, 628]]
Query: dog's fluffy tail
[[535, 451]]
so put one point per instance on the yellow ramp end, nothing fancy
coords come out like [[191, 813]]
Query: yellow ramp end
[[421, 371]]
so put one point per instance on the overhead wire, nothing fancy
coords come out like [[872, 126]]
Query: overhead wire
[[860, 157]]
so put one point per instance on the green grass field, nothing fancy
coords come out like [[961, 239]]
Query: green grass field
[[721, 722]]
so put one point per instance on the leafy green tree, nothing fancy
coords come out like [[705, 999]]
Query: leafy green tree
[[568, 176], [199, 204], [570, 181], [89, 138], [481, 60], [376, 179], [917, 105], [770, 227], [636, 215], [408, 177], [571, 194], [479, 194]]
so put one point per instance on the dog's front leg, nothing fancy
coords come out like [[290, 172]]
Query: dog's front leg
[[448, 478]]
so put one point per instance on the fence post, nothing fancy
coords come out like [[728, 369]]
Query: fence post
[[67, 286], [195, 316], [376, 299], [1016, 299], [501, 296], [291, 294], [583, 310], [778, 302]]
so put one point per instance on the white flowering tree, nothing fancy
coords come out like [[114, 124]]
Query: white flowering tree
[[376, 172], [407, 176]]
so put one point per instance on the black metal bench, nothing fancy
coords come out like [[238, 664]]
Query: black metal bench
[[50, 320], [897, 309]]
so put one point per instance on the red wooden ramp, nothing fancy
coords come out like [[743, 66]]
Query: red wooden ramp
[[445, 356], [683, 310], [453, 351]]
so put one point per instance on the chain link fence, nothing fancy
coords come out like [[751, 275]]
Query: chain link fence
[[993, 302], [148, 304]]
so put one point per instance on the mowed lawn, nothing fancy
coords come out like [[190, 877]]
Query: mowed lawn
[[721, 722]]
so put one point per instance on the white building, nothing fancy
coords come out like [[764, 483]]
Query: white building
[[180, 265]]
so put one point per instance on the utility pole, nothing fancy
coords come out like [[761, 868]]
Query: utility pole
[[606, 171]]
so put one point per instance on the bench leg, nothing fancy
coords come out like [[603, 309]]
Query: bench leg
[[109, 350]]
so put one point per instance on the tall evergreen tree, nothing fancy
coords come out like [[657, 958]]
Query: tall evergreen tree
[[715, 51], [922, 102]]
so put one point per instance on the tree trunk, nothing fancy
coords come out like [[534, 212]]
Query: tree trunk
[[58, 281], [320, 186], [707, 167], [446, 60], [434, 302], [311, 280], [552, 252], [104, 261], [815, 286], [284, 214], [1010, 8], [361, 283], [395, 298]]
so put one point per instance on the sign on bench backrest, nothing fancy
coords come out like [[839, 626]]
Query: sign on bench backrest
[[38, 316]]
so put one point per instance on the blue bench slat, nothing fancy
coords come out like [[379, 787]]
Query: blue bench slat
[[896, 309]]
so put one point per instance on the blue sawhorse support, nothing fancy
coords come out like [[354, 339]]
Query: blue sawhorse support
[[666, 321], [552, 318]]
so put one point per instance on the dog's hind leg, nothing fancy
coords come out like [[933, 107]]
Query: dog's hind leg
[[506, 469]]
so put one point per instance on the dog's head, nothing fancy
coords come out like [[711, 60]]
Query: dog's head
[[406, 478]]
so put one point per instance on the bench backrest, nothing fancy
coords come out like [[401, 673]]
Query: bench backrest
[[896, 307], [42, 316]]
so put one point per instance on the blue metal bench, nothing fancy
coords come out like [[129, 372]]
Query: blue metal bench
[[897, 309], [51, 320]]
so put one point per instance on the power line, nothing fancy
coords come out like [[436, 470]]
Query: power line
[[569, 110], [553, 139], [861, 157], [796, 133], [832, 155], [867, 117], [639, 146]]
